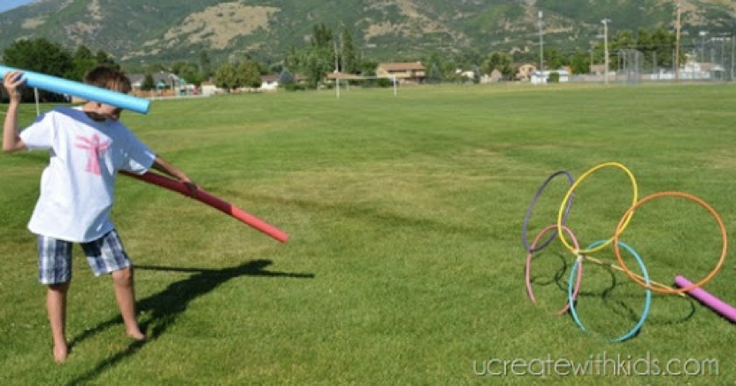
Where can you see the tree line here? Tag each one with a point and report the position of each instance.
(327, 51)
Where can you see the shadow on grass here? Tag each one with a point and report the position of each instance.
(382, 216)
(162, 309)
(616, 298)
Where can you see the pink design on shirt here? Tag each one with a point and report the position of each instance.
(95, 149)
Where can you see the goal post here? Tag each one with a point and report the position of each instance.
(340, 78)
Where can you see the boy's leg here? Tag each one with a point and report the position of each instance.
(55, 270)
(107, 255)
(56, 306)
(125, 296)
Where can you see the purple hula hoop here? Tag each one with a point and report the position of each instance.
(525, 227)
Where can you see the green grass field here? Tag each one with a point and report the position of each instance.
(405, 263)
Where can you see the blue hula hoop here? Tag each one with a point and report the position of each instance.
(647, 302)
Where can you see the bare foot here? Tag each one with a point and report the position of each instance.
(60, 353)
(137, 335)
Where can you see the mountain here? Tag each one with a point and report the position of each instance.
(166, 30)
(10, 4)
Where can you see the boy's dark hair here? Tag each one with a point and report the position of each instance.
(108, 78)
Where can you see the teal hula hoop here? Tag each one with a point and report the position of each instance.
(647, 302)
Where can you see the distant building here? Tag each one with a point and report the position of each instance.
(413, 72)
(524, 71)
(541, 77)
(161, 80)
(269, 82)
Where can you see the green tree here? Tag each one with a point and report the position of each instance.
(500, 62)
(321, 36)
(317, 59)
(663, 44)
(178, 67)
(623, 40)
(103, 58)
(368, 67)
(315, 63)
(148, 82)
(444, 67)
(225, 77)
(187, 71)
(39, 55)
(580, 63)
(553, 60)
(84, 61)
(230, 76)
(477, 74)
(468, 58)
(42, 56)
(205, 65)
(348, 54)
(249, 74)
(286, 77)
(435, 75)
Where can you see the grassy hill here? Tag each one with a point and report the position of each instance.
(141, 30)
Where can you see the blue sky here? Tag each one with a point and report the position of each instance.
(10, 4)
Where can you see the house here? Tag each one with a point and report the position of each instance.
(524, 71)
(269, 82)
(403, 72)
(465, 74)
(208, 89)
(161, 80)
(332, 76)
(598, 69)
(541, 77)
(166, 84)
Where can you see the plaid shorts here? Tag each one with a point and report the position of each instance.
(104, 255)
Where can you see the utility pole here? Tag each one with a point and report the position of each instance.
(677, 44)
(541, 46)
(605, 48)
(733, 53)
(337, 70)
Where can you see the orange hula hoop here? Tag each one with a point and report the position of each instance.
(626, 216)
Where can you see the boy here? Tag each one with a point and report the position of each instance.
(87, 146)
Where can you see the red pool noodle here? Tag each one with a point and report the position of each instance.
(709, 300)
(212, 201)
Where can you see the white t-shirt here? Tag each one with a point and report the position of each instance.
(77, 186)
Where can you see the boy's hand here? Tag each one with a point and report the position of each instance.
(193, 188)
(12, 82)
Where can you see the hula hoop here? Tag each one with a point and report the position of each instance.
(616, 267)
(647, 301)
(524, 238)
(668, 290)
(529, 265)
(572, 189)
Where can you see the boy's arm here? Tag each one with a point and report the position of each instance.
(11, 137)
(165, 167)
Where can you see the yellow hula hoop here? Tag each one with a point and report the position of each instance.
(652, 283)
(665, 289)
(627, 217)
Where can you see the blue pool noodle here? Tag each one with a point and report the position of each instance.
(81, 90)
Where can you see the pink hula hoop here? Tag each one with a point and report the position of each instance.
(530, 254)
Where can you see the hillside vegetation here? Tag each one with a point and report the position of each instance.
(142, 30)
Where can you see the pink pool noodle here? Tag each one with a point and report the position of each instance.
(214, 202)
(719, 306)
